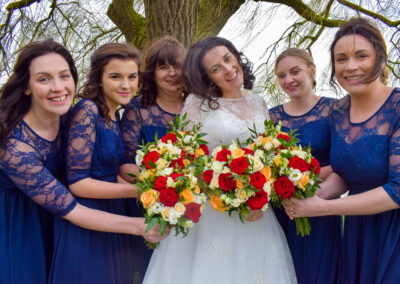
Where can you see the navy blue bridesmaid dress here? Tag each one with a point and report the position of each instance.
(94, 150)
(315, 257)
(366, 156)
(30, 197)
(139, 124)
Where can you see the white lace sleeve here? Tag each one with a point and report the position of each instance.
(192, 110)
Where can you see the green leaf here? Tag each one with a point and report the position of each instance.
(153, 221)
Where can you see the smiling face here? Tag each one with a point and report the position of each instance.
(51, 85)
(168, 77)
(223, 68)
(354, 59)
(295, 76)
(119, 82)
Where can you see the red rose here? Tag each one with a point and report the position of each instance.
(258, 201)
(248, 151)
(298, 163)
(208, 175)
(283, 136)
(257, 180)
(239, 165)
(222, 156)
(205, 149)
(177, 163)
(168, 196)
(169, 136)
(174, 176)
(193, 211)
(284, 187)
(160, 183)
(315, 165)
(226, 182)
(152, 157)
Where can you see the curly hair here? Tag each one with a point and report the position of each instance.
(299, 53)
(164, 50)
(14, 103)
(196, 78)
(92, 88)
(364, 28)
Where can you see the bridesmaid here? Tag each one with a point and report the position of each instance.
(365, 145)
(94, 153)
(37, 94)
(315, 256)
(160, 100)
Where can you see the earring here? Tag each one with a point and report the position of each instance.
(28, 92)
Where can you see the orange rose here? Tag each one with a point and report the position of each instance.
(197, 189)
(187, 196)
(266, 140)
(251, 146)
(303, 181)
(149, 198)
(278, 160)
(266, 171)
(198, 153)
(239, 183)
(186, 162)
(238, 153)
(216, 203)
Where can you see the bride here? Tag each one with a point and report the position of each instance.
(221, 249)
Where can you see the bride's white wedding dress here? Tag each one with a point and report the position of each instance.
(221, 249)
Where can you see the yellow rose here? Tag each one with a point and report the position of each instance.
(149, 198)
(186, 162)
(266, 171)
(237, 153)
(241, 194)
(198, 153)
(165, 213)
(303, 181)
(187, 196)
(278, 160)
(216, 203)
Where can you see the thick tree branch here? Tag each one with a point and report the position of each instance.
(20, 4)
(131, 24)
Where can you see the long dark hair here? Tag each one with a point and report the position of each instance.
(165, 50)
(14, 103)
(366, 29)
(196, 77)
(100, 58)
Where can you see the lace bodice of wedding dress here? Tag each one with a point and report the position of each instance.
(220, 249)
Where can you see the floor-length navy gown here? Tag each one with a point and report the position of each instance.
(94, 150)
(28, 186)
(367, 155)
(315, 257)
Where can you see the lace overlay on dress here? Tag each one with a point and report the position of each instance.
(25, 160)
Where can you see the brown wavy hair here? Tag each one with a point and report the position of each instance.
(364, 28)
(164, 50)
(100, 58)
(14, 103)
(196, 77)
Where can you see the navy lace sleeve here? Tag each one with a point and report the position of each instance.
(81, 140)
(30, 164)
(367, 154)
(141, 124)
(312, 128)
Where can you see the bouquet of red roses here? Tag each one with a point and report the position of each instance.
(235, 179)
(167, 178)
(294, 171)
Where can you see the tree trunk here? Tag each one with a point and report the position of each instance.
(174, 17)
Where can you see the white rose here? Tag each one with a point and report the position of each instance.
(268, 146)
(193, 180)
(173, 217)
(170, 182)
(187, 139)
(267, 188)
(300, 154)
(157, 207)
(214, 181)
(188, 224)
(165, 172)
(276, 143)
(258, 165)
(295, 175)
(161, 164)
(174, 151)
(259, 140)
(139, 157)
(217, 166)
(144, 175)
(236, 202)
(233, 146)
(265, 207)
(259, 153)
(225, 170)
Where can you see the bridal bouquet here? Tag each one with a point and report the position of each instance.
(167, 178)
(294, 170)
(235, 179)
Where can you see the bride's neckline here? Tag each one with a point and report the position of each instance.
(244, 95)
